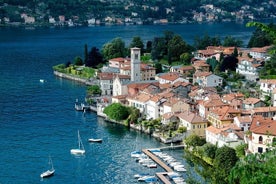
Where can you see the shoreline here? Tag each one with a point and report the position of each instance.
(99, 111)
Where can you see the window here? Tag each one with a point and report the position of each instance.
(260, 140)
(136, 56)
(260, 150)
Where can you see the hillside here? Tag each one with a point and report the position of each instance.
(83, 12)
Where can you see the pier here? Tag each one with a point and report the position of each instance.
(157, 160)
(161, 176)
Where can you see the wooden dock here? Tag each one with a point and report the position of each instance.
(157, 160)
(161, 176)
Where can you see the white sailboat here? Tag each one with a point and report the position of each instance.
(49, 172)
(80, 150)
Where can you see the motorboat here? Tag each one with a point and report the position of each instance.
(95, 140)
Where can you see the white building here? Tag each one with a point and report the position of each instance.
(249, 69)
(228, 135)
(207, 79)
(263, 135)
(243, 122)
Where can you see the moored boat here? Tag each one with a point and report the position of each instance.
(50, 172)
(95, 140)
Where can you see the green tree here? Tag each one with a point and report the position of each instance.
(185, 58)
(116, 111)
(137, 42)
(85, 53)
(148, 47)
(94, 90)
(194, 140)
(255, 168)
(260, 37)
(159, 48)
(213, 63)
(229, 41)
(176, 47)
(78, 61)
(224, 161)
(158, 67)
(115, 48)
(270, 30)
(240, 150)
(134, 115)
(205, 41)
(94, 58)
(209, 150)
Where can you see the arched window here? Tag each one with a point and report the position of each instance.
(260, 140)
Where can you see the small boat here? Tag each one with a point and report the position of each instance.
(50, 172)
(95, 140)
(41, 80)
(140, 175)
(143, 178)
(80, 150)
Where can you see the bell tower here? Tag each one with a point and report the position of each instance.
(135, 64)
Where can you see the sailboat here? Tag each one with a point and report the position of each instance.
(49, 172)
(80, 150)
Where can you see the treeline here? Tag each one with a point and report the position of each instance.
(169, 47)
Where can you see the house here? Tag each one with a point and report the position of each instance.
(201, 66)
(139, 101)
(207, 79)
(119, 85)
(264, 111)
(267, 86)
(153, 106)
(174, 104)
(263, 135)
(106, 82)
(206, 105)
(233, 99)
(184, 70)
(228, 98)
(181, 89)
(194, 123)
(170, 117)
(136, 87)
(243, 122)
(251, 103)
(117, 62)
(249, 68)
(219, 116)
(170, 78)
(259, 52)
(228, 135)
(147, 72)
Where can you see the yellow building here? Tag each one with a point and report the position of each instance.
(194, 123)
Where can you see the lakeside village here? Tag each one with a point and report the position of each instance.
(233, 132)
(185, 108)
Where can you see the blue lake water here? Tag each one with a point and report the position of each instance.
(38, 119)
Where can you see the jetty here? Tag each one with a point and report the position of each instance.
(157, 160)
(161, 176)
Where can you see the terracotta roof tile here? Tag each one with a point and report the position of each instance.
(261, 125)
(251, 101)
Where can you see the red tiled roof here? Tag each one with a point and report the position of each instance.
(261, 125)
(170, 76)
(250, 101)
